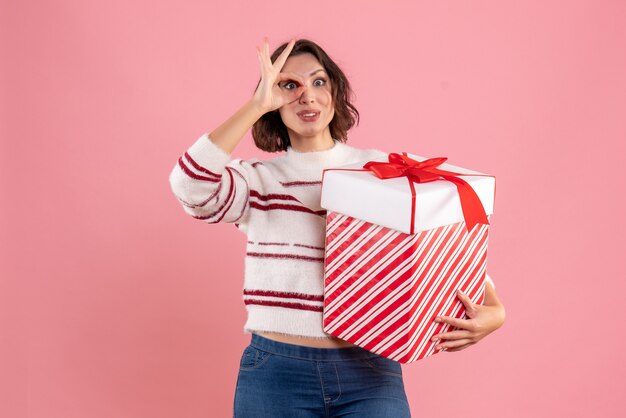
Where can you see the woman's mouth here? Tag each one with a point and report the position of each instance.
(309, 116)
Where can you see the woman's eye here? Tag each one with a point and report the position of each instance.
(286, 85)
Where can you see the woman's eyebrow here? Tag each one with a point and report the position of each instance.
(316, 71)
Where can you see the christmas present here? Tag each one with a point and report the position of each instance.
(401, 237)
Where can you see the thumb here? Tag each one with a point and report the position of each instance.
(295, 93)
(470, 307)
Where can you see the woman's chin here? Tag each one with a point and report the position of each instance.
(306, 133)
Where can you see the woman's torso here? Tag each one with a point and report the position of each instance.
(310, 198)
(332, 342)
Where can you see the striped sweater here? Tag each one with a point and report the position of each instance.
(276, 203)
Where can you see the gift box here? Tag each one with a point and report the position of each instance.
(401, 237)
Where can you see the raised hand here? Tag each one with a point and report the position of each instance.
(269, 95)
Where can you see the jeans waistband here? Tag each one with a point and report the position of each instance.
(309, 353)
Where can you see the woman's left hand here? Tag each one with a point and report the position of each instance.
(482, 321)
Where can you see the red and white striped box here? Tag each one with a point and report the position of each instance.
(383, 287)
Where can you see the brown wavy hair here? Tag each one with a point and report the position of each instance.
(270, 133)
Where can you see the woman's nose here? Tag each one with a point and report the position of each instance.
(307, 95)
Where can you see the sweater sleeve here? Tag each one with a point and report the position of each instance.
(210, 185)
(488, 279)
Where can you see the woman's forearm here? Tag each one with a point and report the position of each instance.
(491, 299)
(229, 133)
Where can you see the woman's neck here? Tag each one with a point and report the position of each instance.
(320, 142)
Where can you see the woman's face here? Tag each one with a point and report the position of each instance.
(316, 98)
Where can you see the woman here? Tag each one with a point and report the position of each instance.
(292, 368)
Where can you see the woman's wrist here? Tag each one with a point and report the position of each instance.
(256, 107)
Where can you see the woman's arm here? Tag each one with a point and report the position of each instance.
(491, 298)
(211, 186)
(229, 134)
(208, 184)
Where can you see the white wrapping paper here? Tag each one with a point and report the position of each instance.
(387, 202)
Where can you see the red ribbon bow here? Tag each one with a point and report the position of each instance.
(425, 171)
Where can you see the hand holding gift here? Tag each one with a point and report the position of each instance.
(483, 320)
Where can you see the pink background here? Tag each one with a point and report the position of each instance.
(114, 303)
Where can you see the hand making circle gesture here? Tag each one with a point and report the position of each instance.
(269, 95)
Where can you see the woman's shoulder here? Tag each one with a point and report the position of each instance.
(366, 153)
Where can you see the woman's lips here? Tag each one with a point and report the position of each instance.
(309, 118)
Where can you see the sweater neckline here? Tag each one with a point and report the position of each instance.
(317, 159)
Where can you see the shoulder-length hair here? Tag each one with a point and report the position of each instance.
(270, 133)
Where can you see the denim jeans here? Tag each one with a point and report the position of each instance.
(281, 380)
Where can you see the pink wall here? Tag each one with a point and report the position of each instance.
(114, 303)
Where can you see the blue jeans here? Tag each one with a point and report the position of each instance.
(279, 380)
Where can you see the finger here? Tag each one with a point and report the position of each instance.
(464, 298)
(280, 61)
(471, 309)
(265, 71)
(259, 55)
(455, 322)
(288, 75)
(295, 94)
(463, 347)
(265, 53)
(452, 344)
(453, 335)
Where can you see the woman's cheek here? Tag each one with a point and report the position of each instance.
(328, 97)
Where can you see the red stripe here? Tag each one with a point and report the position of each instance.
(279, 206)
(309, 246)
(294, 256)
(344, 224)
(191, 174)
(300, 183)
(200, 168)
(289, 305)
(266, 197)
(287, 244)
(245, 204)
(278, 294)
(191, 205)
(199, 205)
(230, 193)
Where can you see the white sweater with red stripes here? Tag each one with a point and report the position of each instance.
(276, 203)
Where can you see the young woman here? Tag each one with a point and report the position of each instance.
(292, 368)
